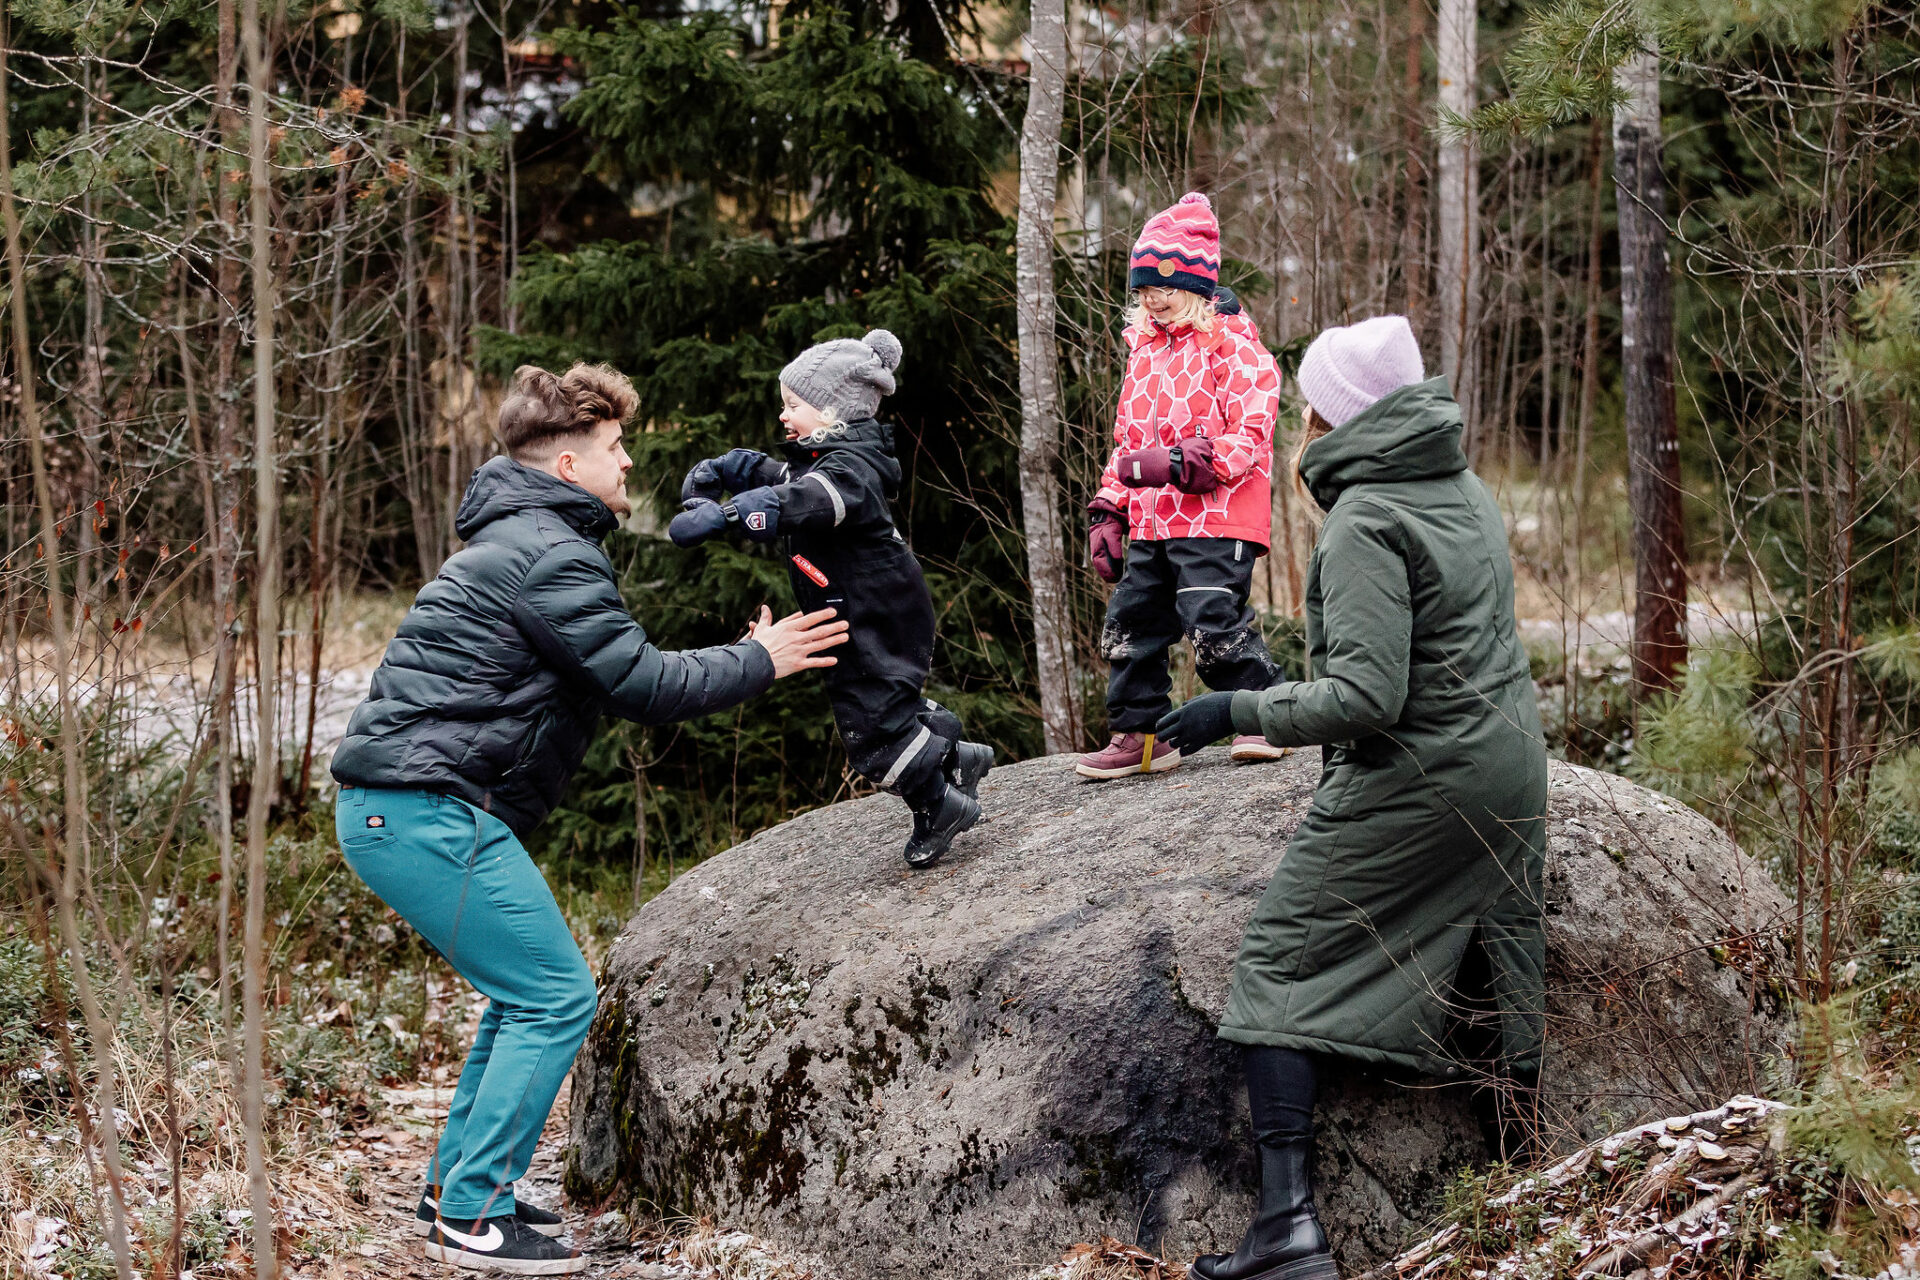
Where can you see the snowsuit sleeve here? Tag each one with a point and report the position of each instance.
(1368, 638)
(1249, 392)
(838, 491)
(570, 610)
(1110, 487)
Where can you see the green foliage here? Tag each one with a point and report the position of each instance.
(1883, 362)
(1696, 743)
(837, 181)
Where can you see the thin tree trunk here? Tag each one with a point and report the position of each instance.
(223, 521)
(1458, 271)
(1646, 321)
(1040, 494)
(65, 886)
(1413, 231)
(319, 559)
(266, 612)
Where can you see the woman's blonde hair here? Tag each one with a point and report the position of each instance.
(1312, 429)
(1197, 312)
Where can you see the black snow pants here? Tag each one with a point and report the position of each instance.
(1192, 587)
(896, 737)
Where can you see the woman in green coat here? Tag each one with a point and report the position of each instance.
(1421, 852)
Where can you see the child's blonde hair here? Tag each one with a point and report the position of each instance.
(1193, 310)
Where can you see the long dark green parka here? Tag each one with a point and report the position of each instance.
(1426, 832)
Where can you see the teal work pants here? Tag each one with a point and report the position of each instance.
(461, 878)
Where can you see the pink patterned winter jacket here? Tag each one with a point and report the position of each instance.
(1183, 383)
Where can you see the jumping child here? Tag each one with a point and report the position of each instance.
(1188, 482)
(831, 501)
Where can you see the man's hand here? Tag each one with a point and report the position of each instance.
(794, 642)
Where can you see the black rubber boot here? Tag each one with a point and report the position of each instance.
(1284, 1241)
(968, 764)
(936, 824)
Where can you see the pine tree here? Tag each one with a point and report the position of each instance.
(799, 188)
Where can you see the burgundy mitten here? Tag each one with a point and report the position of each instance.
(1195, 473)
(1107, 539)
(1146, 468)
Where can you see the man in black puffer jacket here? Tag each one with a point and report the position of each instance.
(478, 716)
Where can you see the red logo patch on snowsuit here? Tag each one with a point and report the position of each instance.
(1183, 383)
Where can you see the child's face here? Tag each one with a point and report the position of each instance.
(801, 418)
(1165, 305)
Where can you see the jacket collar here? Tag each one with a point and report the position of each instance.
(502, 487)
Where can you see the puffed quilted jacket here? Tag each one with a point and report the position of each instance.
(1183, 383)
(500, 671)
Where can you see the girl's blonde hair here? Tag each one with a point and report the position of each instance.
(830, 423)
(1197, 312)
(1312, 429)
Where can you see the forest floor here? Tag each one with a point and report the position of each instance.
(392, 1153)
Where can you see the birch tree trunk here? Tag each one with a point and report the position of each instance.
(72, 854)
(1646, 340)
(266, 613)
(1457, 274)
(1040, 495)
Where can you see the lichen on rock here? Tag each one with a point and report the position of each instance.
(952, 1072)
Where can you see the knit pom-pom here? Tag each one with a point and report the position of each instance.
(884, 345)
(1195, 197)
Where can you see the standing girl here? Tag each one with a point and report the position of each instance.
(1188, 482)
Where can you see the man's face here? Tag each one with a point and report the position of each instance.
(600, 467)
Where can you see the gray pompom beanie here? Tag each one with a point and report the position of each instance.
(846, 376)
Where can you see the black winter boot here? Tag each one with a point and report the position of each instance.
(1284, 1241)
(967, 765)
(937, 823)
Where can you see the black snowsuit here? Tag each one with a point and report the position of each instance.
(491, 689)
(1196, 587)
(834, 495)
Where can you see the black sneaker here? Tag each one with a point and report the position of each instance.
(503, 1244)
(934, 828)
(971, 760)
(547, 1224)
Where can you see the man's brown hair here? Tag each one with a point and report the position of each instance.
(542, 409)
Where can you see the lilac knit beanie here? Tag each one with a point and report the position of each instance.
(1350, 367)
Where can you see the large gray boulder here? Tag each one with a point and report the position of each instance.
(961, 1071)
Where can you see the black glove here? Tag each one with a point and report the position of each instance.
(1195, 723)
(703, 519)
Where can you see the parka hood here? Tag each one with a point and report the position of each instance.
(1412, 434)
(870, 438)
(503, 487)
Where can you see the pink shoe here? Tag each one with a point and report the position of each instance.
(1249, 748)
(1127, 753)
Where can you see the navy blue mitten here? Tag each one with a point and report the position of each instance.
(759, 513)
(702, 519)
(702, 482)
(739, 469)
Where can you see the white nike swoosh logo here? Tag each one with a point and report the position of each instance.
(479, 1244)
